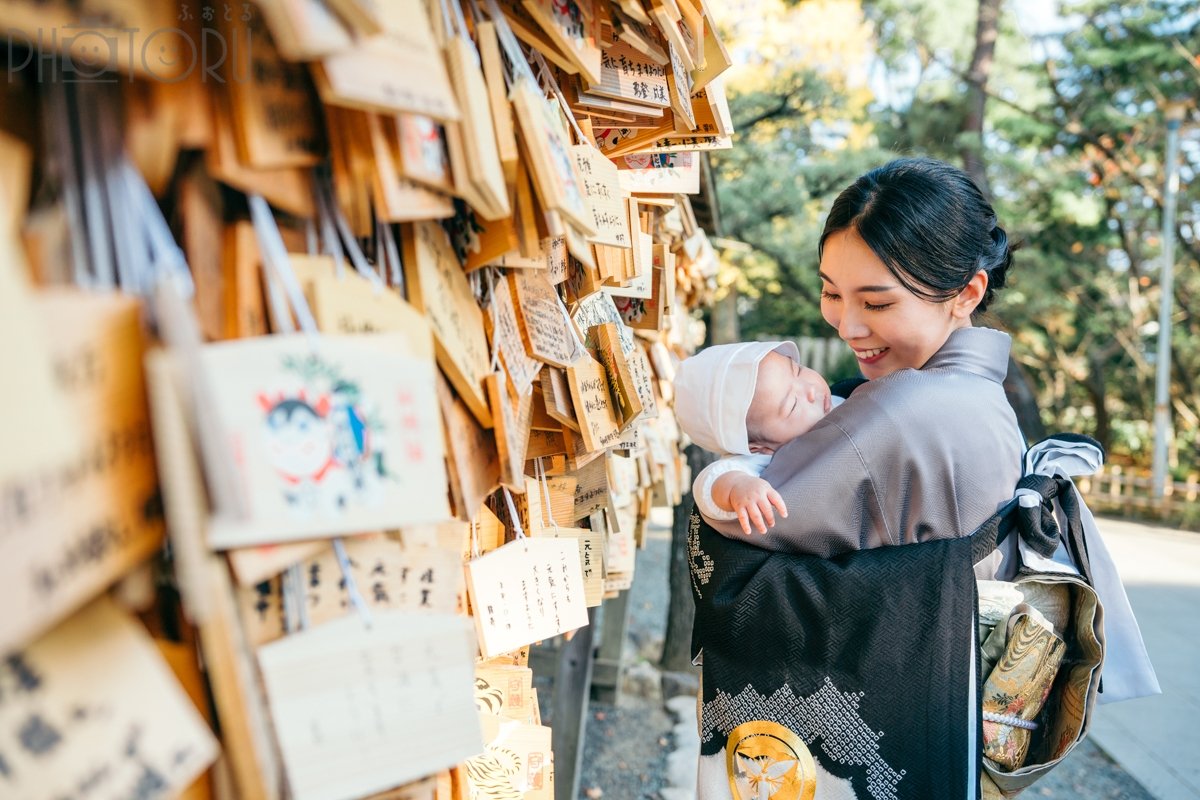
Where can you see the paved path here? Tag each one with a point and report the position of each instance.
(1157, 739)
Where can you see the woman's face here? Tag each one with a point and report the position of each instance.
(888, 327)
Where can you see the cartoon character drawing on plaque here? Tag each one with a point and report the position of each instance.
(321, 447)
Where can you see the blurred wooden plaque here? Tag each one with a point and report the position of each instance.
(438, 287)
(70, 530)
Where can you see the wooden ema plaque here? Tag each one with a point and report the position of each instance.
(94, 704)
(545, 327)
(627, 74)
(627, 402)
(397, 198)
(272, 102)
(421, 146)
(555, 176)
(513, 417)
(389, 576)
(474, 461)
(591, 559)
(591, 488)
(574, 29)
(526, 591)
(401, 70)
(329, 435)
(605, 196)
(74, 525)
(328, 684)
(556, 394)
(598, 424)
(505, 330)
(438, 287)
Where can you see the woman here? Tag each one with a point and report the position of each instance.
(801, 648)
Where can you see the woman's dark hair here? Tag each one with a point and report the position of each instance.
(929, 224)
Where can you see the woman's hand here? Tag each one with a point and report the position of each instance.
(752, 499)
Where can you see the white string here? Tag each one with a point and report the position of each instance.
(544, 68)
(354, 251)
(311, 244)
(274, 255)
(393, 251)
(356, 598)
(1010, 719)
(512, 512)
(475, 536)
(508, 41)
(329, 237)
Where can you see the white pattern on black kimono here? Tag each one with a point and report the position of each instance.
(916, 456)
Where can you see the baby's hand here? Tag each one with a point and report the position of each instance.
(752, 498)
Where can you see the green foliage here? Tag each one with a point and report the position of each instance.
(1074, 144)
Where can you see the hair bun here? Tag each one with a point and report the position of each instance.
(996, 262)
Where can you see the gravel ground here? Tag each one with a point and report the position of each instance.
(626, 749)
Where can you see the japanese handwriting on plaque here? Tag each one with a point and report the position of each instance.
(333, 435)
(388, 575)
(605, 196)
(626, 74)
(591, 559)
(598, 422)
(506, 337)
(71, 528)
(440, 290)
(360, 710)
(92, 704)
(526, 591)
(544, 324)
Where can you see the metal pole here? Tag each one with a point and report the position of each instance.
(1162, 379)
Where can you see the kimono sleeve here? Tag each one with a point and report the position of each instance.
(832, 503)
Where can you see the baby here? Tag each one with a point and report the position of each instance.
(745, 401)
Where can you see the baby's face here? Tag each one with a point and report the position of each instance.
(788, 400)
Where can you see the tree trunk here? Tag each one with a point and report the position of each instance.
(677, 647)
(725, 327)
(1096, 388)
(971, 140)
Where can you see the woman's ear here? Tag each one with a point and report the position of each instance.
(965, 303)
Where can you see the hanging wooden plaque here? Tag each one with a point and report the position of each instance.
(75, 524)
(591, 488)
(387, 575)
(328, 684)
(514, 599)
(626, 402)
(506, 337)
(397, 198)
(272, 103)
(591, 560)
(391, 73)
(681, 91)
(556, 394)
(502, 116)
(662, 173)
(473, 461)
(545, 326)
(305, 30)
(422, 149)
(598, 424)
(94, 704)
(330, 435)
(482, 162)
(438, 287)
(605, 196)
(513, 417)
(555, 176)
(574, 29)
(626, 74)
